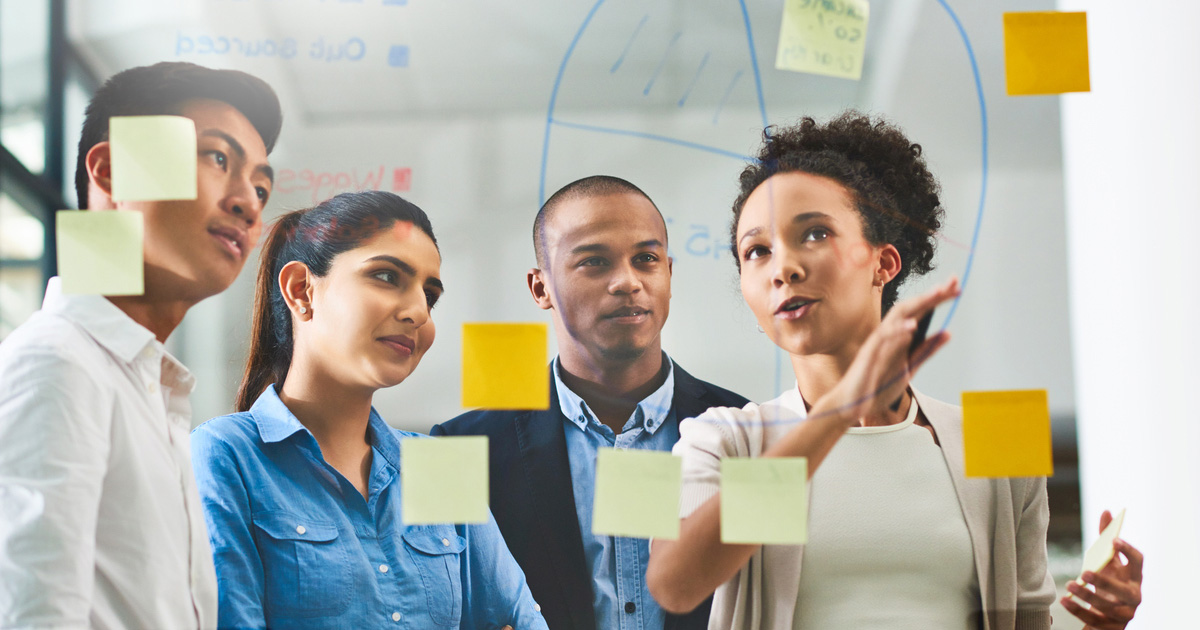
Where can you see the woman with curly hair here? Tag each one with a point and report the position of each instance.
(830, 221)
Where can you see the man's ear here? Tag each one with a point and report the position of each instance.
(98, 163)
(539, 289)
(295, 283)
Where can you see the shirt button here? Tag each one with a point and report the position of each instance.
(445, 542)
(300, 529)
(630, 607)
(383, 568)
(395, 616)
(151, 387)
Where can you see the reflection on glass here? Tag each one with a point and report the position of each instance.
(24, 80)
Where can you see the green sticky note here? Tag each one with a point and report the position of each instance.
(153, 157)
(1007, 434)
(822, 37)
(444, 480)
(637, 494)
(504, 366)
(1102, 550)
(764, 500)
(1046, 52)
(100, 251)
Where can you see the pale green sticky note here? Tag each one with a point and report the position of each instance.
(444, 480)
(822, 37)
(100, 251)
(1102, 550)
(637, 494)
(764, 500)
(153, 157)
(504, 366)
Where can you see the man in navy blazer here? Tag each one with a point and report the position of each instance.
(603, 271)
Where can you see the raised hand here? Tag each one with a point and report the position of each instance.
(1116, 591)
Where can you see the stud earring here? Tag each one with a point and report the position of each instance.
(303, 310)
(760, 328)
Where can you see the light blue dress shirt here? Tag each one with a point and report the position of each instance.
(621, 598)
(297, 546)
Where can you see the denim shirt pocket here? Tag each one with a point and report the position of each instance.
(436, 551)
(306, 568)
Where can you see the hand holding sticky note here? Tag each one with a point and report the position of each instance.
(504, 366)
(444, 480)
(637, 494)
(153, 157)
(100, 251)
(1101, 551)
(823, 37)
(1046, 52)
(1007, 434)
(764, 500)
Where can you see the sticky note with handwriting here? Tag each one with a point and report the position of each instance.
(1046, 52)
(153, 157)
(637, 494)
(1007, 434)
(823, 37)
(1102, 550)
(100, 251)
(504, 366)
(764, 500)
(444, 480)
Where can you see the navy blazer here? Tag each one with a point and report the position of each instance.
(534, 504)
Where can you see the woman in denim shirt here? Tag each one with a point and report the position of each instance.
(301, 488)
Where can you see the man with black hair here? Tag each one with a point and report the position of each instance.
(604, 272)
(100, 522)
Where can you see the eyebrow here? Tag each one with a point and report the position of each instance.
(799, 218)
(265, 169)
(406, 268)
(600, 247)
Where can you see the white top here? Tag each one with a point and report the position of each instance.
(888, 546)
(100, 522)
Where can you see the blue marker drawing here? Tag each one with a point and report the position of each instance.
(398, 56)
(728, 91)
(703, 62)
(395, 3)
(661, 64)
(551, 123)
(629, 44)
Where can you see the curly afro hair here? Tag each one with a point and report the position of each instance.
(894, 192)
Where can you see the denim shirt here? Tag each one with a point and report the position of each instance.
(620, 597)
(296, 545)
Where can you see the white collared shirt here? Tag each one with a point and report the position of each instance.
(100, 522)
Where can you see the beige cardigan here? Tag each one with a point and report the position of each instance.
(1006, 518)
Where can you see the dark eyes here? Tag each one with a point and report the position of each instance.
(263, 193)
(393, 278)
(754, 251)
(386, 275)
(431, 298)
(816, 234)
(597, 261)
(218, 158)
(813, 234)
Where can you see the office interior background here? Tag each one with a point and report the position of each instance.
(1072, 226)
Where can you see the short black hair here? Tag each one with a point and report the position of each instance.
(893, 190)
(161, 89)
(592, 186)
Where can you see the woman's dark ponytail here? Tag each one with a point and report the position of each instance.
(314, 237)
(271, 333)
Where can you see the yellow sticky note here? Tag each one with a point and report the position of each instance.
(822, 37)
(444, 480)
(764, 500)
(637, 494)
(504, 366)
(1102, 550)
(100, 251)
(1046, 52)
(1007, 434)
(153, 157)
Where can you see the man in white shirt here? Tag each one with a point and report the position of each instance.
(100, 522)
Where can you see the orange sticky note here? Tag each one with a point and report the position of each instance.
(1007, 434)
(505, 366)
(1046, 52)
(100, 251)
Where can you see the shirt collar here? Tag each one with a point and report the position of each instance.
(651, 412)
(106, 323)
(277, 423)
